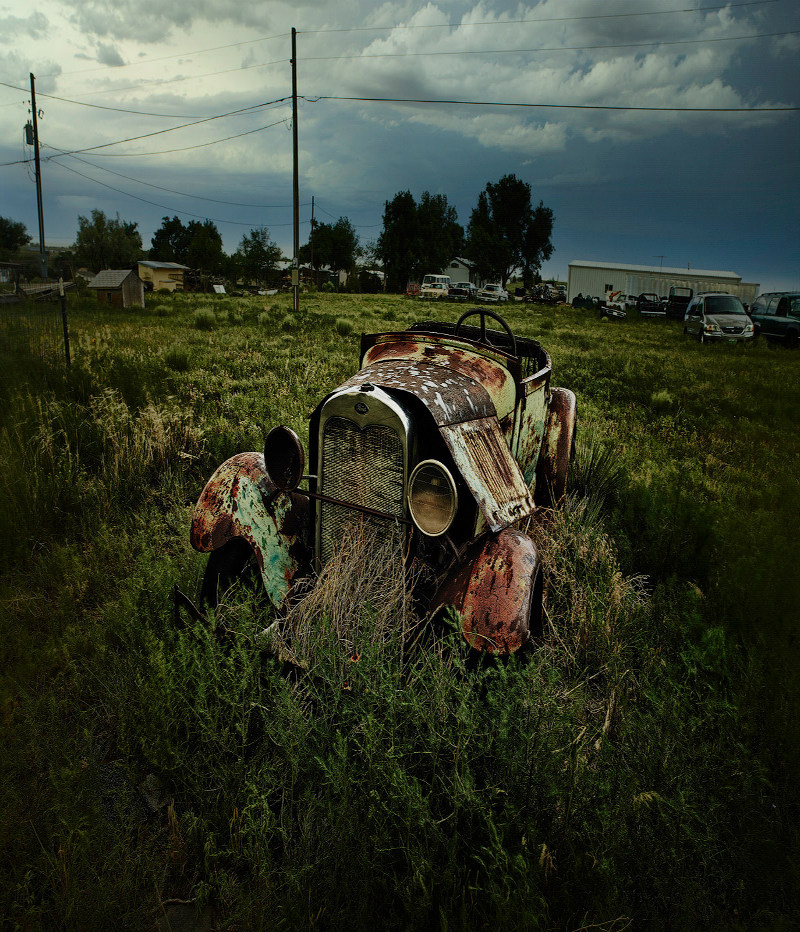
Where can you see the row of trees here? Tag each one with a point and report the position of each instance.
(505, 233)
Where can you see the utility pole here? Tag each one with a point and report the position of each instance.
(42, 253)
(661, 262)
(296, 183)
(311, 241)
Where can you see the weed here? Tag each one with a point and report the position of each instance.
(344, 327)
(205, 319)
(177, 358)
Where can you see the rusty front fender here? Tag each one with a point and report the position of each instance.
(498, 591)
(240, 500)
(558, 448)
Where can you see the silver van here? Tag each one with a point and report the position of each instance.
(717, 317)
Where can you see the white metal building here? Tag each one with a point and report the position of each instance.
(598, 279)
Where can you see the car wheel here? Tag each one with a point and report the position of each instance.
(685, 332)
(701, 337)
(791, 339)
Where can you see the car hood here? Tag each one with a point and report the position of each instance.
(728, 320)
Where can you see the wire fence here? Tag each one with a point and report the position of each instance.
(31, 336)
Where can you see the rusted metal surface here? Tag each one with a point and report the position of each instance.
(240, 500)
(557, 448)
(529, 426)
(497, 590)
(448, 395)
(483, 366)
(481, 454)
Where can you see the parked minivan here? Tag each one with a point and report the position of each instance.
(717, 317)
(776, 315)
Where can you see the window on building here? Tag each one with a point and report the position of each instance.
(609, 288)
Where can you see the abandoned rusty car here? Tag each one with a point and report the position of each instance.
(447, 438)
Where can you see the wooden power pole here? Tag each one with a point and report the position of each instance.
(295, 183)
(42, 252)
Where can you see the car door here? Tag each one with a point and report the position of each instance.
(694, 318)
(769, 326)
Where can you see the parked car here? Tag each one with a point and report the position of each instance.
(493, 294)
(715, 317)
(678, 301)
(649, 304)
(435, 286)
(463, 291)
(447, 437)
(776, 315)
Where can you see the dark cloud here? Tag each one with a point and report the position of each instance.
(33, 26)
(108, 55)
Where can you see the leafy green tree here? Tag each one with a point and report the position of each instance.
(258, 256)
(506, 232)
(417, 238)
(13, 236)
(335, 245)
(104, 243)
(205, 247)
(171, 241)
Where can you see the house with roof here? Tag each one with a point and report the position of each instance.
(118, 288)
(162, 276)
(462, 270)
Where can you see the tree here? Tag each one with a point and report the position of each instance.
(505, 232)
(107, 244)
(205, 247)
(258, 256)
(13, 235)
(417, 238)
(335, 245)
(170, 242)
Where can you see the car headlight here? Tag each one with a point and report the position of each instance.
(713, 328)
(432, 497)
(748, 328)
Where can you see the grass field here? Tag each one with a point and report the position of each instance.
(638, 767)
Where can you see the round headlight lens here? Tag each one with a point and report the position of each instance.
(284, 458)
(432, 497)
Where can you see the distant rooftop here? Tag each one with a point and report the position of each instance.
(110, 278)
(161, 265)
(655, 270)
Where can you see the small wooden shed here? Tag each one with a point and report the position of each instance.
(119, 288)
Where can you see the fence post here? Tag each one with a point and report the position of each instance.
(63, 299)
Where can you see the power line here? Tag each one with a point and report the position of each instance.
(198, 197)
(550, 19)
(497, 103)
(82, 103)
(554, 48)
(172, 129)
(144, 200)
(199, 145)
(213, 48)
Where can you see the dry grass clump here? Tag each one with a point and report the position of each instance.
(361, 599)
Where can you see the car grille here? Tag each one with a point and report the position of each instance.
(732, 329)
(364, 467)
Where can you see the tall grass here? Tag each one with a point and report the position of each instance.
(354, 766)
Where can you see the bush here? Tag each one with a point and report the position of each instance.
(327, 288)
(344, 327)
(177, 358)
(205, 319)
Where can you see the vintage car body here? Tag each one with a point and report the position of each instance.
(446, 440)
(435, 287)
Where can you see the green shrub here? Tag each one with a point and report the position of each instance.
(205, 319)
(327, 288)
(344, 327)
(288, 322)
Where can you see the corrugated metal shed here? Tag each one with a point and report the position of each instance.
(596, 279)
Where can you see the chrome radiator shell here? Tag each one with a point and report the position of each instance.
(364, 447)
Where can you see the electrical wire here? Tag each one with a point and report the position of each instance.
(554, 48)
(548, 19)
(199, 145)
(83, 103)
(186, 213)
(172, 129)
(198, 197)
(497, 103)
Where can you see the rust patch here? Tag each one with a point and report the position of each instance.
(557, 448)
(492, 475)
(495, 590)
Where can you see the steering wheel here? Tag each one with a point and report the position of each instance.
(483, 338)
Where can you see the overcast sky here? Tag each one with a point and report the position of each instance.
(711, 189)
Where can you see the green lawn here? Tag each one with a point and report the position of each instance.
(640, 764)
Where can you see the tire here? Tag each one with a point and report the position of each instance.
(701, 337)
(790, 340)
(685, 332)
(234, 563)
